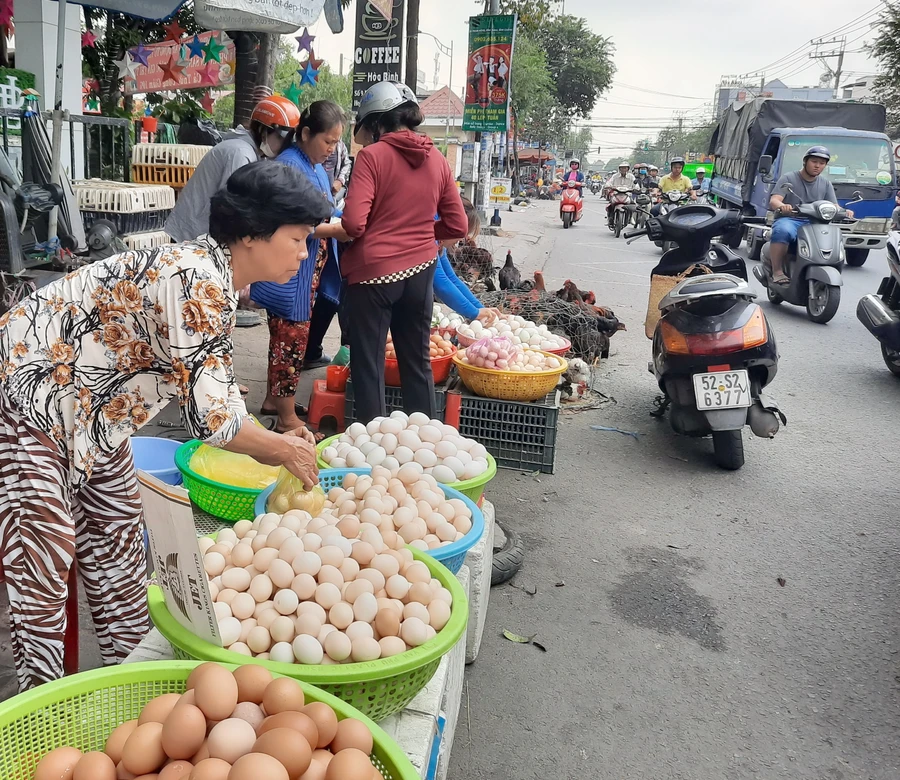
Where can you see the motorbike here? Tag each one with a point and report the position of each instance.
(713, 350)
(595, 187)
(813, 263)
(669, 201)
(571, 206)
(880, 313)
(621, 204)
(642, 201)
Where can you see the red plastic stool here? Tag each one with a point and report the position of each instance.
(325, 403)
(70, 639)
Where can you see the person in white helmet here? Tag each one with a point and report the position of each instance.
(700, 180)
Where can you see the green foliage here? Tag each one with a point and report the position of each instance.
(173, 111)
(886, 50)
(671, 142)
(533, 14)
(531, 88)
(24, 79)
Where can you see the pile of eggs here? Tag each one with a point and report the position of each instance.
(243, 725)
(438, 347)
(331, 589)
(518, 330)
(410, 443)
(499, 354)
(445, 320)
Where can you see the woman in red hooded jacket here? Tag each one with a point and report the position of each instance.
(398, 185)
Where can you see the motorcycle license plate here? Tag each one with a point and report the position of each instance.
(722, 390)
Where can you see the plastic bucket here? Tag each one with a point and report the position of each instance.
(157, 457)
(336, 378)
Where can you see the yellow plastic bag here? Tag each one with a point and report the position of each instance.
(289, 494)
(231, 468)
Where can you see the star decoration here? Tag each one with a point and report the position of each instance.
(213, 50)
(317, 64)
(88, 39)
(304, 41)
(208, 102)
(174, 31)
(93, 104)
(210, 73)
(172, 70)
(141, 55)
(127, 66)
(308, 74)
(293, 93)
(196, 46)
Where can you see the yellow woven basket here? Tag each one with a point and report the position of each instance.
(510, 385)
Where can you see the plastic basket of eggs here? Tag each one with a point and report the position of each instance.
(441, 351)
(426, 526)
(365, 618)
(528, 375)
(148, 718)
(518, 330)
(416, 443)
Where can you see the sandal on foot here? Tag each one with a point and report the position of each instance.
(781, 281)
(299, 409)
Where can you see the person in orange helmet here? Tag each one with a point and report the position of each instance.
(272, 126)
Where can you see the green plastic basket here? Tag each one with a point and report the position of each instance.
(472, 488)
(377, 688)
(81, 711)
(223, 501)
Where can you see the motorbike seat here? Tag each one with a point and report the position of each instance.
(706, 286)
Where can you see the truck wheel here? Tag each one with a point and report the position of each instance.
(857, 257)
(823, 304)
(728, 449)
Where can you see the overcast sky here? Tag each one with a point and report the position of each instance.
(678, 47)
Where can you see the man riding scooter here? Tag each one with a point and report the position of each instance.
(674, 180)
(621, 179)
(807, 186)
(700, 181)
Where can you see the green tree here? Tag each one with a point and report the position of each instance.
(533, 14)
(886, 50)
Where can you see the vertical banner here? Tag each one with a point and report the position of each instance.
(377, 55)
(491, 40)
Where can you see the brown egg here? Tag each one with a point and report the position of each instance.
(188, 697)
(377, 775)
(158, 709)
(325, 719)
(177, 770)
(201, 755)
(283, 694)
(217, 693)
(152, 776)
(316, 771)
(58, 764)
(197, 673)
(387, 622)
(95, 766)
(231, 739)
(252, 680)
(116, 740)
(123, 774)
(211, 769)
(350, 764)
(322, 756)
(294, 754)
(352, 733)
(258, 766)
(183, 732)
(292, 720)
(143, 752)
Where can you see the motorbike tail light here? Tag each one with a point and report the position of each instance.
(753, 334)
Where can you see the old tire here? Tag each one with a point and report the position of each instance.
(857, 257)
(728, 449)
(823, 307)
(891, 360)
(507, 559)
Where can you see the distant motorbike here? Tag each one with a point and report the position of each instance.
(571, 206)
(595, 187)
(713, 349)
(880, 313)
(669, 201)
(813, 263)
(621, 204)
(642, 202)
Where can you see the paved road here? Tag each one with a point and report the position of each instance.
(672, 651)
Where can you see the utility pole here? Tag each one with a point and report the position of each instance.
(833, 53)
(412, 44)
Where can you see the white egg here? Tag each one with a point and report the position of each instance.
(450, 433)
(403, 454)
(400, 415)
(408, 439)
(307, 649)
(418, 418)
(445, 449)
(455, 464)
(444, 474)
(376, 456)
(338, 463)
(366, 448)
(426, 458)
(390, 425)
(430, 433)
(377, 438)
(389, 442)
(373, 426)
(328, 454)
(355, 459)
(464, 457)
(391, 464)
(229, 630)
(478, 452)
(475, 469)
(282, 653)
(356, 429)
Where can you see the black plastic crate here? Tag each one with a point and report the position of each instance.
(520, 436)
(393, 400)
(138, 222)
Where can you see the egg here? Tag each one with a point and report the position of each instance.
(143, 752)
(94, 766)
(282, 744)
(355, 459)
(211, 769)
(376, 456)
(455, 464)
(365, 608)
(391, 645)
(282, 695)
(412, 631)
(183, 732)
(281, 573)
(325, 719)
(296, 721)
(255, 766)
(216, 693)
(429, 433)
(350, 764)
(474, 469)
(390, 425)
(286, 602)
(243, 605)
(445, 449)
(230, 739)
(352, 733)
(58, 764)
(307, 649)
(356, 429)
(116, 740)
(425, 458)
(177, 770)
(338, 646)
(408, 439)
(444, 474)
(365, 648)
(250, 712)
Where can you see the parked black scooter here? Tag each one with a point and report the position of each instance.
(813, 264)
(713, 349)
(880, 313)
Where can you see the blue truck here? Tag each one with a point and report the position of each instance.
(755, 142)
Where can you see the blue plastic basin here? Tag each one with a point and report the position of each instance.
(157, 457)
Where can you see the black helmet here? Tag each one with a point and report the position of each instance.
(676, 160)
(817, 151)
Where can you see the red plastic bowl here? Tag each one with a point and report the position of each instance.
(440, 369)
(561, 351)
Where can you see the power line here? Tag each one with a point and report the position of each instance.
(654, 92)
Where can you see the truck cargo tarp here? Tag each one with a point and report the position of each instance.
(738, 140)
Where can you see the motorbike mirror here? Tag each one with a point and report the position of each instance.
(696, 187)
(765, 164)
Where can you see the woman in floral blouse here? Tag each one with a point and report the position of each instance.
(88, 360)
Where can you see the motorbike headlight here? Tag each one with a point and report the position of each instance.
(803, 250)
(827, 211)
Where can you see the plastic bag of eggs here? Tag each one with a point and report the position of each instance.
(519, 330)
(428, 446)
(240, 725)
(324, 590)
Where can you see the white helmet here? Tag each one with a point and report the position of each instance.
(407, 93)
(378, 99)
(700, 170)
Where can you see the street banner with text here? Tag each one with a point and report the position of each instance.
(274, 16)
(488, 70)
(377, 54)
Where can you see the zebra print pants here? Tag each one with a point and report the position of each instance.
(44, 525)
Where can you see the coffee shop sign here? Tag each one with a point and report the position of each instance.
(388, 55)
